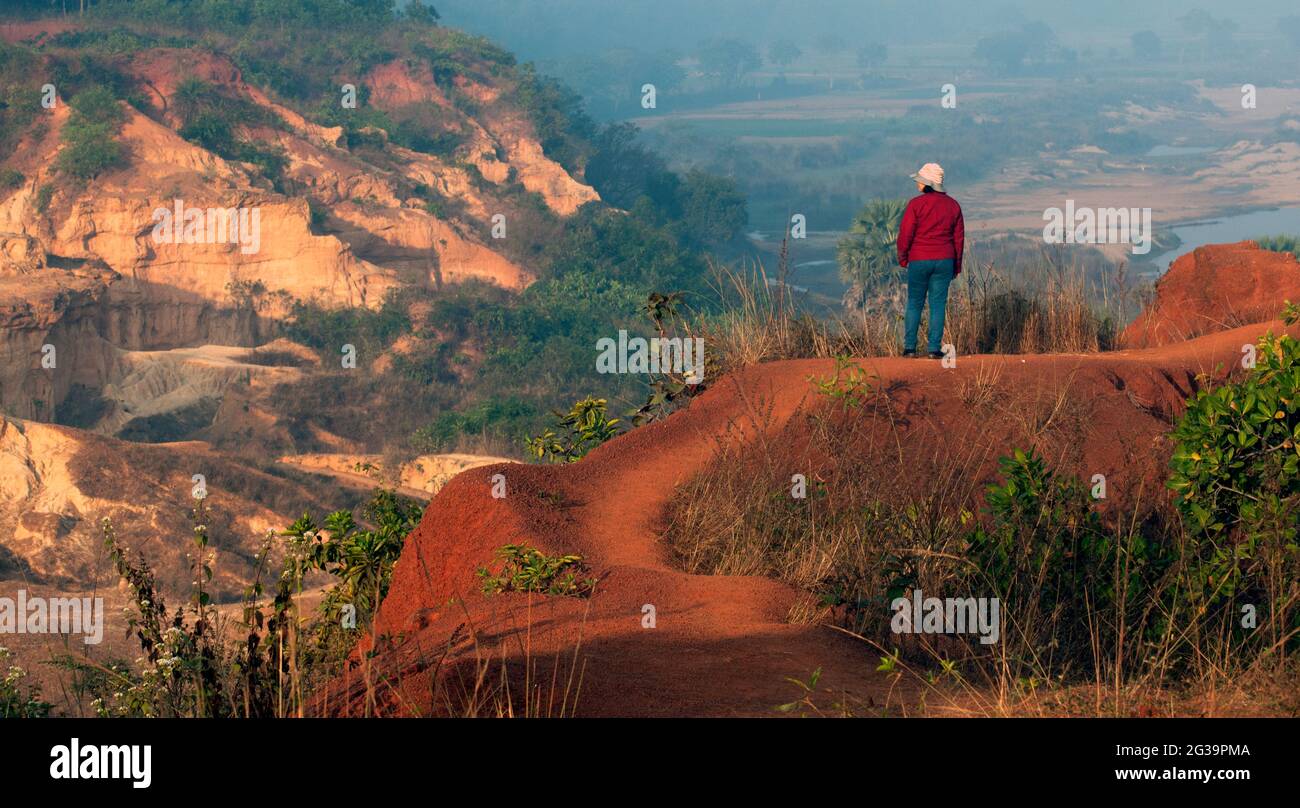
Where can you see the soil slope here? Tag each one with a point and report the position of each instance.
(723, 645)
(1214, 288)
(58, 483)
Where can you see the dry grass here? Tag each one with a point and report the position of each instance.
(1048, 307)
(480, 670)
(879, 519)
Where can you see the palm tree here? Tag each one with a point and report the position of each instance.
(867, 254)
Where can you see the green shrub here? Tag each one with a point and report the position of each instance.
(191, 667)
(1045, 554)
(1283, 244)
(713, 210)
(452, 53)
(328, 330)
(850, 386)
(88, 158)
(583, 428)
(91, 157)
(524, 569)
(563, 128)
(501, 416)
(88, 134)
(9, 179)
(360, 558)
(19, 94)
(1235, 475)
(211, 119)
(97, 104)
(114, 41)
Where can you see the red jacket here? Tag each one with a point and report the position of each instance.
(932, 229)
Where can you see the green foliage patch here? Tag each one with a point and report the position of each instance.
(524, 569)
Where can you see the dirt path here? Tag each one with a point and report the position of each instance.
(720, 645)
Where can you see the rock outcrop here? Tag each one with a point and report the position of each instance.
(1215, 288)
(57, 484)
(83, 272)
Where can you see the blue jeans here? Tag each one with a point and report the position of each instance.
(924, 277)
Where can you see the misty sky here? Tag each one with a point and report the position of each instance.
(556, 28)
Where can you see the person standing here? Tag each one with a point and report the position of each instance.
(930, 244)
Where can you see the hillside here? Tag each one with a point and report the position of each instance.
(298, 262)
(288, 290)
(727, 644)
(376, 236)
(418, 236)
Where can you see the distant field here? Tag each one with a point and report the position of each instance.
(770, 127)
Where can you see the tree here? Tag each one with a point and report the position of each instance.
(611, 80)
(867, 254)
(1146, 45)
(712, 208)
(1005, 52)
(728, 59)
(421, 11)
(89, 134)
(1219, 39)
(622, 170)
(1033, 46)
(872, 54)
(783, 52)
(1217, 32)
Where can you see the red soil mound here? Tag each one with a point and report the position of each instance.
(721, 645)
(1215, 288)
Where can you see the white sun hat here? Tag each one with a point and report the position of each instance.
(931, 174)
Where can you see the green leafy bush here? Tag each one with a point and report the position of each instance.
(499, 416)
(328, 330)
(524, 569)
(1045, 554)
(850, 385)
(212, 119)
(712, 209)
(563, 128)
(583, 428)
(89, 132)
(114, 41)
(19, 94)
(1235, 475)
(360, 558)
(192, 667)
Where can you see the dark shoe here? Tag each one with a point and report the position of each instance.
(936, 354)
(910, 354)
